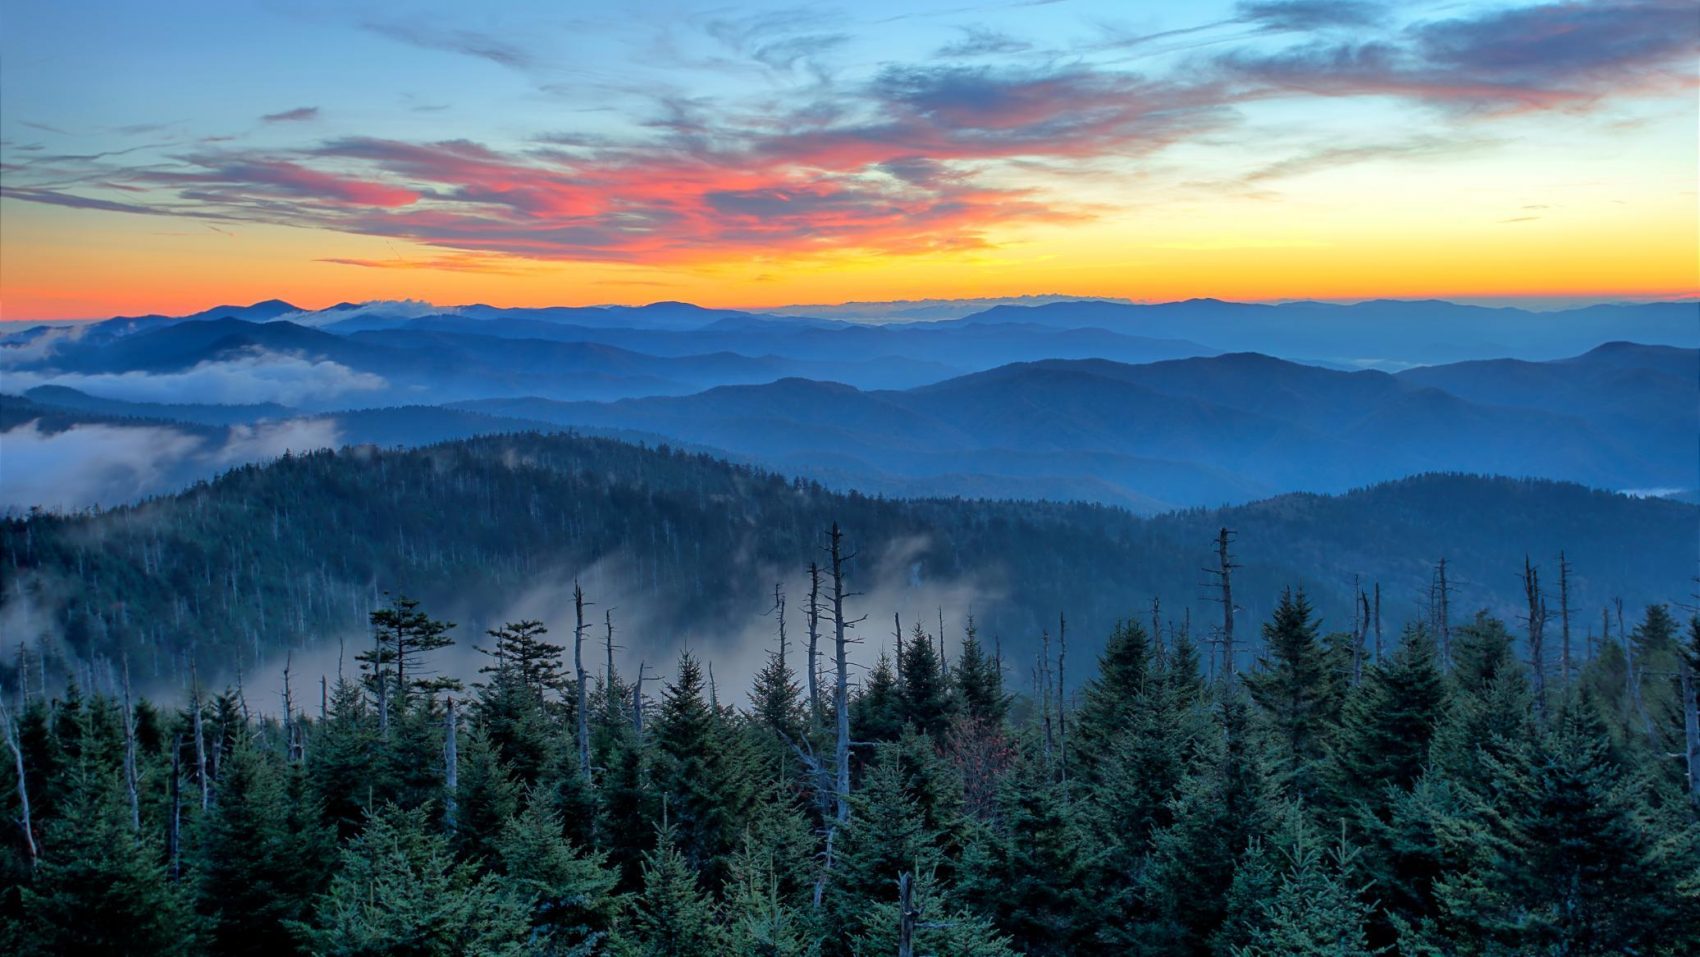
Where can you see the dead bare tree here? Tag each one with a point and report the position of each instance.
(1564, 616)
(1224, 579)
(1378, 621)
(582, 698)
(1062, 714)
(200, 738)
(841, 692)
(1042, 684)
(1690, 686)
(814, 643)
(9, 731)
(130, 753)
(1537, 625)
(1440, 611)
(174, 832)
(451, 767)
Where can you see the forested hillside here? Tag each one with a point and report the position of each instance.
(686, 550)
(1440, 798)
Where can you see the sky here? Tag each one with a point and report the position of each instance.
(163, 158)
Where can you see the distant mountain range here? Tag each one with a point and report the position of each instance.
(1112, 402)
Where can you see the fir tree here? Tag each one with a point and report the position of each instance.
(574, 905)
(1296, 691)
(259, 860)
(399, 891)
(672, 916)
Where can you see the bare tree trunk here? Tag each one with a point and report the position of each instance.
(451, 767)
(582, 698)
(379, 681)
(1062, 708)
(905, 916)
(814, 643)
(944, 660)
(897, 633)
(174, 833)
(1691, 720)
(1537, 625)
(637, 701)
(608, 678)
(10, 732)
(200, 740)
(1564, 616)
(1378, 621)
(1157, 626)
(841, 692)
(1042, 678)
(130, 753)
(1224, 570)
(1441, 601)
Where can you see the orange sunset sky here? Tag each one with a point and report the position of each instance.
(162, 161)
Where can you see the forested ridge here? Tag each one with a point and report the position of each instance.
(288, 556)
(1449, 796)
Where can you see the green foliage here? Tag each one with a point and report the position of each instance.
(399, 891)
(1191, 819)
(1297, 689)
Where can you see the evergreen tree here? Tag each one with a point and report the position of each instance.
(978, 684)
(1030, 871)
(924, 694)
(1386, 726)
(1111, 695)
(1567, 856)
(877, 713)
(1224, 805)
(702, 774)
(1317, 908)
(673, 917)
(1296, 691)
(519, 651)
(259, 860)
(574, 906)
(399, 891)
(100, 889)
(486, 799)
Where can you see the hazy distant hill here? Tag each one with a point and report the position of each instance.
(684, 547)
(1167, 433)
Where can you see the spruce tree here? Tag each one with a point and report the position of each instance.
(1297, 692)
(672, 915)
(101, 889)
(400, 891)
(258, 860)
(574, 905)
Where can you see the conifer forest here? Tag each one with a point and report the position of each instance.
(1473, 786)
(899, 478)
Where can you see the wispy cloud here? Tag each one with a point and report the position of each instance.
(1552, 56)
(946, 153)
(298, 115)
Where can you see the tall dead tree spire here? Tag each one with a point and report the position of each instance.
(1564, 664)
(1224, 573)
(1440, 612)
(841, 691)
(813, 618)
(582, 697)
(1537, 626)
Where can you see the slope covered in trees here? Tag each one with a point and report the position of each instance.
(293, 555)
(1314, 804)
